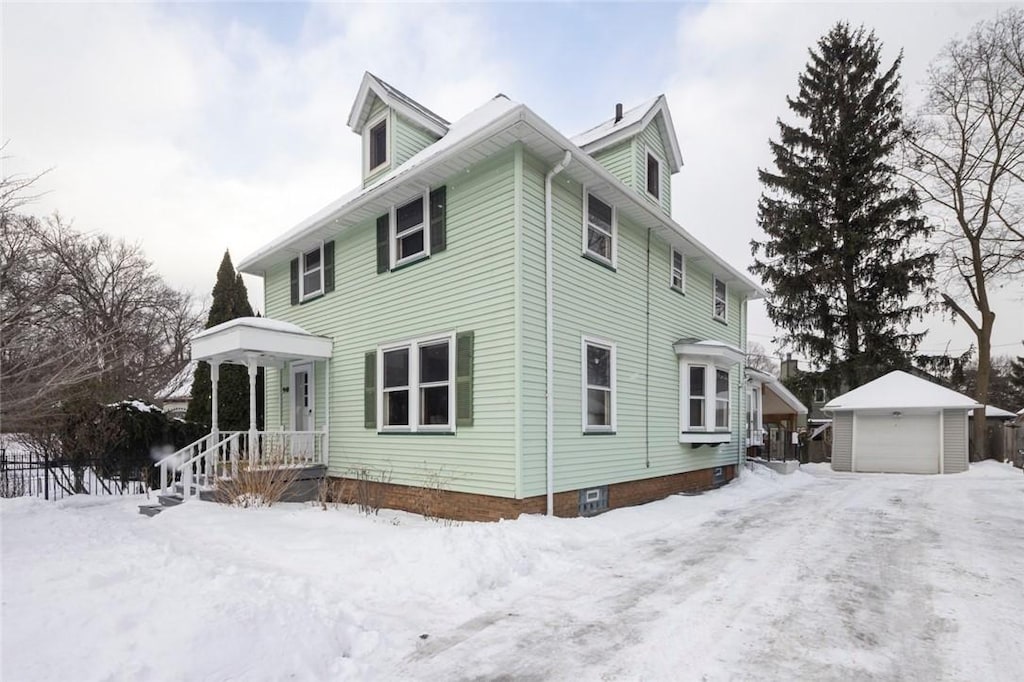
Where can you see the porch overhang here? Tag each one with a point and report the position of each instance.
(259, 341)
(719, 352)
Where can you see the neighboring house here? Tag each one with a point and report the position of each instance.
(900, 423)
(174, 397)
(774, 415)
(502, 313)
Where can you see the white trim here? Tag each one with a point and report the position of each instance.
(413, 384)
(853, 442)
(384, 116)
(672, 270)
(585, 385)
(309, 369)
(587, 226)
(714, 299)
(370, 84)
(648, 152)
(942, 441)
(303, 294)
(710, 398)
(393, 235)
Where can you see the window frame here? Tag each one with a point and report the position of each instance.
(414, 385)
(614, 234)
(681, 288)
(394, 236)
(307, 295)
(612, 426)
(724, 317)
(728, 400)
(384, 117)
(649, 156)
(710, 397)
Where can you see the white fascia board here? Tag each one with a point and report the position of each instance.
(370, 85)
(716, 350)
(675, 155)
(240, 342)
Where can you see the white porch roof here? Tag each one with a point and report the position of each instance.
(265, 342)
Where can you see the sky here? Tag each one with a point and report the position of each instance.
(195, 128)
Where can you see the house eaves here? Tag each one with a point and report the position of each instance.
(611, 132)
(480, 134)
(397, 100)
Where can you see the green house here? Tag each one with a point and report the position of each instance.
(501, 315)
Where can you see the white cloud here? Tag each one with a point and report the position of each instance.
(190, 137)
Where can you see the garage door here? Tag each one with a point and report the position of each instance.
(908, 444)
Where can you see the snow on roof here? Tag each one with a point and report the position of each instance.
(630, 117)
(180, 385)
(255, 323)
(899, 390)
(997, 412)
(612, 132)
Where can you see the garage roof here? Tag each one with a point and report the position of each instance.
(899, 390)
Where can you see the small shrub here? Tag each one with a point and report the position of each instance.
(261, 485)
(430, 497)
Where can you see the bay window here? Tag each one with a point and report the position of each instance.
(705, 390)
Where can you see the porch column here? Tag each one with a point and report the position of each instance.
(253, 443)
(214, 380)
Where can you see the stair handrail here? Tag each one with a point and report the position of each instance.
(231, 438)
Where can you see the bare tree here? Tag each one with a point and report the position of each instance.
(966, 157)
(80, 314)
(758, 358)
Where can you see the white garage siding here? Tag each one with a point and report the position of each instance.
(842, 440)
(954, 434)
(898, 443)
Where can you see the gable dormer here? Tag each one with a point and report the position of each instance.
(394, 127)
(640, 148)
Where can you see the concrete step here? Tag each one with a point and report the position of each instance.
(150, 509)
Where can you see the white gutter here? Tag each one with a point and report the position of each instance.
(549, 327)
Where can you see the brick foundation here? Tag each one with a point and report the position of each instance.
(474, 507)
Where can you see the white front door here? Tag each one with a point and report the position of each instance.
(302, 391)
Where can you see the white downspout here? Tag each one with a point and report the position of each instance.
(549, 325)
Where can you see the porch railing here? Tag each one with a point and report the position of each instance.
(200, 464)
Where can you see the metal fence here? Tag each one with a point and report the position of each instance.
(25, 473)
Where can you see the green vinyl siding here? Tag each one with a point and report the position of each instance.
(650, 138)
(468, 287)
(619, 160)
(407, 140)
(591, 300)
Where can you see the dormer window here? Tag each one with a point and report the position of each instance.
(376, 146)
(653, 176)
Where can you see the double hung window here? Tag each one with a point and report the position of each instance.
(678, 280)
(720, 303)
(417, 385)
(311, 278)
(410, 235)
(598, 386)
(599, 230)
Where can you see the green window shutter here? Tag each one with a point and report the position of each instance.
(328, 267)
(464, 379)
(438, 229)
(370, 391)
(295, 281)
(383, 243)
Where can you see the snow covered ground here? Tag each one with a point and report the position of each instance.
(812, 576)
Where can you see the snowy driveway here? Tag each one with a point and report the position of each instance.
(821, 576)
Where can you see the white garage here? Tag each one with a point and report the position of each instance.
(900, 423)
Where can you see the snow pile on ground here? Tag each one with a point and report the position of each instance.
(771, 576)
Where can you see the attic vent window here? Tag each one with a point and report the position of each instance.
(377, 144)
(653, 176)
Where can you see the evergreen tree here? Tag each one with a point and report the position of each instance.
(230, 301)
(840, 258)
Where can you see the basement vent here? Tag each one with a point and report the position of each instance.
(593, 501)
(718, 477)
